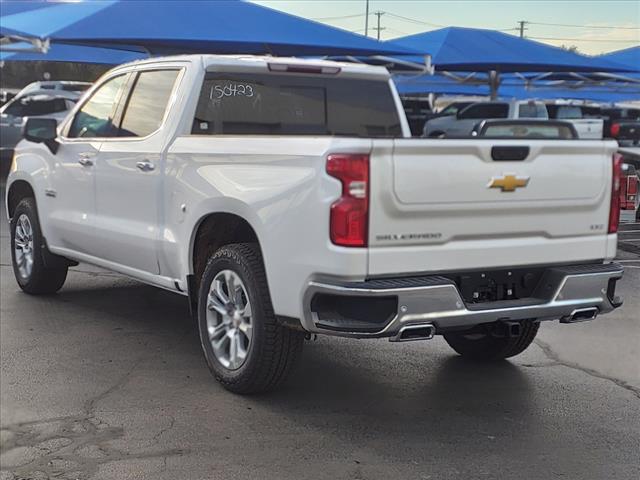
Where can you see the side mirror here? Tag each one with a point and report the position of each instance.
(42, 130)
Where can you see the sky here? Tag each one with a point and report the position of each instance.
(602, 25)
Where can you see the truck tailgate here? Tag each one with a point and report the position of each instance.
(588, 128)
(443, 205)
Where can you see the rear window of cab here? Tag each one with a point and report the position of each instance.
(286, 104)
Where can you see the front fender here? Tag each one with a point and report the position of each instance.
(29, 166)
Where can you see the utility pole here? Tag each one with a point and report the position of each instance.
(379, 28)
(522, 27)
(366, 20)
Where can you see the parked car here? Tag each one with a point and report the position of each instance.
(14, 114)
(452, 109)
(525, 128)
(622, 124)
(285, 197)
(53, 87)
(586, 125)
(417, 110)
(629, 194)
(6, 95)
(462, 123)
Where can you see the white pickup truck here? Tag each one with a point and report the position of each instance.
(286, 198)
(587, 127)
(461, 123)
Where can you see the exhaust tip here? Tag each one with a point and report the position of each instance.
(581, 315)
(410, 333)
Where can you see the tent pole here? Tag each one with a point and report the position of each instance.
(494, 83)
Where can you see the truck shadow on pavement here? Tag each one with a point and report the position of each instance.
(334, 373)
(376, 398)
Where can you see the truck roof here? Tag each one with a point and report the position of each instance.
(247, 61)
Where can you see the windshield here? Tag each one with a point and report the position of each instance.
(525, 130)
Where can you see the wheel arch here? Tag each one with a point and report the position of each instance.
(18, 190)
(213, 231)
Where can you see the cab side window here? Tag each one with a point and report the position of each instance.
(95, 118)
(147, 103)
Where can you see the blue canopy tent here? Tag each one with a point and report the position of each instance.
(513, 87)
(629, 57)
(479, 50)
(72, 53)
(412, 84)
(163, 27)
(457, 49)
(12, 41)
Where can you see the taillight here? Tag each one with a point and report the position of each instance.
(614, 212)
(630, 192)
(349, 218)
(615, 129)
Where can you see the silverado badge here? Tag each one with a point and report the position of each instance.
(508, 183)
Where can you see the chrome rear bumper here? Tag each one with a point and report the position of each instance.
(565, 293)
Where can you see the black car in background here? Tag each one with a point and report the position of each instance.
(622, 124)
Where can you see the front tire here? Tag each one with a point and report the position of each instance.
(27, 245)
(490, 347)
(246, 349)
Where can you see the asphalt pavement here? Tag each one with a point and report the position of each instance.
(105, 380)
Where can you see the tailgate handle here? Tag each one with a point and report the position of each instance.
(509, 153)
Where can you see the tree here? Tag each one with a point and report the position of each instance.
(570, 48)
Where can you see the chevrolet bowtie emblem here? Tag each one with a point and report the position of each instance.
(508, 183)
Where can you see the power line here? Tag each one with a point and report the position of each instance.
(338, 18)
(602, 40)
(583, 26)
(397, 31)
(413, 20)
(436, 25)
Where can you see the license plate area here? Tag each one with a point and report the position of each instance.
(497, 285)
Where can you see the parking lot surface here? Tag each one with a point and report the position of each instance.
(105, 380)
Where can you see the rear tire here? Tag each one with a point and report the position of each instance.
(246, 349)
(488, 347)
(27, 245)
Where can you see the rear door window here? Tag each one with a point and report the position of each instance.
(532, 110)
(146, 106)
(565, 112)
(485, 110)
(454, 108)
(273, 104)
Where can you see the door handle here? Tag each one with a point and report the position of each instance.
(145, 166)
(85, 161)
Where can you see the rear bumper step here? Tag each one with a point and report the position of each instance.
(415, 308)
